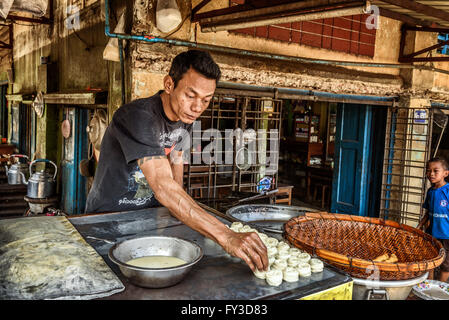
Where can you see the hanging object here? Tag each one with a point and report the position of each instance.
(96, 128)
(38, 104)
(168, 16)
(36, 7)
(111, 51)
(65, 126)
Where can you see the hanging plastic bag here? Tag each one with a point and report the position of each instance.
(5, 6)
(168, 16)
(111, 52)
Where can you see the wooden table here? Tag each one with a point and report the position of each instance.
(319, 175)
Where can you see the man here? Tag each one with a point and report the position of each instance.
(139, 163)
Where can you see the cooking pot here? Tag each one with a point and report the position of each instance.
(41, 184)
(14, 171)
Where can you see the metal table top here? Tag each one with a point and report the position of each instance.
(217, 276)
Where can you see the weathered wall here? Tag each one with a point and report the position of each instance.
(77, 54)
(150, 62)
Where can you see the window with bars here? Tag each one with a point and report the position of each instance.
(407, 144)
(345, 34)
(228, 113)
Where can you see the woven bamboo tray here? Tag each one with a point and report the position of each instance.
(351, 243)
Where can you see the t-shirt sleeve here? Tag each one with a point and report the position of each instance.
(138, 134)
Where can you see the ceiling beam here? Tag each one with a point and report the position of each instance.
(406, 18)
(420, 8)
(302, 11)
(280, 8)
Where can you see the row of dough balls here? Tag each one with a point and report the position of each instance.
(285, 263)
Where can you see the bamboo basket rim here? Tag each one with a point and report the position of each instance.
(348, 261)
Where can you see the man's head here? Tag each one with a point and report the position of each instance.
(190, 85)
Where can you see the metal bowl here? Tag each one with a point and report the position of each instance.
(126, 250)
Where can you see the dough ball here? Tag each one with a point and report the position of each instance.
(290, 274)
(304, 270)
(304, 257)
(283, 245)
(274, 277)
(282, 256)
(236, 226)
(279, 264)
(272, 242)
(316, 265)
(271, 260)
(246, 228)
(262, 236)
(293, 261)
(261, 274)
(294, 251)
(272, 251)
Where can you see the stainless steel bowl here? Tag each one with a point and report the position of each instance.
(126, 250)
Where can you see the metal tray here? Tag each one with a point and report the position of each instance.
(432, 290)
(270, 218)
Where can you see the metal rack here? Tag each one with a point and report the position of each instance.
(226, 172)
(407, 149)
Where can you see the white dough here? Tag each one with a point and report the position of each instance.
(271, 260)
(293, 261)
(304, 270)
(261, 274)
(283, 255)
(272, 242)
(294, 251)
(316, 265)
(283, 245)
(279, 264)
(274, 277)
(290, 274)
(246, 228)
(304, 257)
(272, 251)
(284, 251)
(262, 236)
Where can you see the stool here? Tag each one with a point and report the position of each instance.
(324, 192)
(284, 191)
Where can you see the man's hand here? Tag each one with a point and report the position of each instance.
(249, 248)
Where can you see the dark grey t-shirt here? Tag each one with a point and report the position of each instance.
(138, 129)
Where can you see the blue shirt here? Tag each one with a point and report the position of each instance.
(437, 202)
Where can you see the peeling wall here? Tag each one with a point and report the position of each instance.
(155, 59)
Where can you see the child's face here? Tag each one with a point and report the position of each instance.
(436, 172)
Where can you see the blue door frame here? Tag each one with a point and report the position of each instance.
(351, 163)
(73, 197)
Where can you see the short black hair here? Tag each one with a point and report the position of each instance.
(440, 160)
(200, 61)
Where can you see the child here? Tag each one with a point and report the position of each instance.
(436, 208)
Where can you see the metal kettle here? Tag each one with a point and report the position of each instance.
(13, 172)
(41, 184)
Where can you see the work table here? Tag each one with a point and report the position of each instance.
(217, 276)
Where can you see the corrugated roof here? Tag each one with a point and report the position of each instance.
(433, 11)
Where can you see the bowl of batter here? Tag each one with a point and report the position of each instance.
(155, 261)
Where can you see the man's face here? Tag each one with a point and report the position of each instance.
(191, 96)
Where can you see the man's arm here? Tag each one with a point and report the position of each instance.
(171, 195)
(177, 167)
